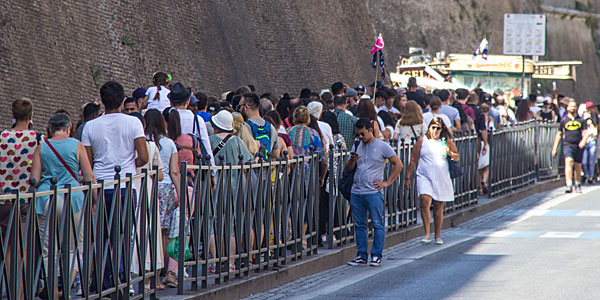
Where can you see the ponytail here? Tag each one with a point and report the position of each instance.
(159, 78)
(173, 124)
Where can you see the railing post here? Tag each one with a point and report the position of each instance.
(182, 215)
(331, 198)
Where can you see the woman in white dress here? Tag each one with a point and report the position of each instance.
(433, 177)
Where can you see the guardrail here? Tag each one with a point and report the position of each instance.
(522, 154)
(266, 209)
(115, 231)
(258, 216)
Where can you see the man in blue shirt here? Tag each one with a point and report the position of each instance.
(202, 104)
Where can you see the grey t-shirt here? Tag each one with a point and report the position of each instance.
(450, 112)
(370, 165)
(261, 122)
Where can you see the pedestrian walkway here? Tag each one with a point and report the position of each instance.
(541, 247)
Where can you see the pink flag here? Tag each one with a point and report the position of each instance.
(378, 45)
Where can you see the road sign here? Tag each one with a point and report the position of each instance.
(524, 34)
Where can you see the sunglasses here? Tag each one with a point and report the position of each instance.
(436, 128)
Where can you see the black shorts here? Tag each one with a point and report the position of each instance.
(573, 152)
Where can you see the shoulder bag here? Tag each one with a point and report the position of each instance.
(453, 167)
(62, 161)
(347, 179)
(221, 144)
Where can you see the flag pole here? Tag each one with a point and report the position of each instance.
(376, 74)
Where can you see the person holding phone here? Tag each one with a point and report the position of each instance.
(369, 159)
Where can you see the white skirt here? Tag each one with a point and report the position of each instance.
(484, 160)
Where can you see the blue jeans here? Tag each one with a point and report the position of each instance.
(360, 204)
(589, 159)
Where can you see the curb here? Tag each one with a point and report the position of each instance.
(331, 258)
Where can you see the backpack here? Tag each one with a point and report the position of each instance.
(465, 120)
(263, 135)
(195, 139)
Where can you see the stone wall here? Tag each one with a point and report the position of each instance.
(58, 52)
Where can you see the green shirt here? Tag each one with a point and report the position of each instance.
(347, 126)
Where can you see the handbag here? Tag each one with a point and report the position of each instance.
(347, 179)
(453, 166)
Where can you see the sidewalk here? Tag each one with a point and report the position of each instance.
(488, 257)
(330, 258)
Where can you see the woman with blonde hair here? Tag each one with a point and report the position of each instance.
(411, 124)
(240, 130)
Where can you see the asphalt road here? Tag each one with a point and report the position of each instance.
(543, 247)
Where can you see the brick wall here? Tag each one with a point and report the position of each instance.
(58, 52)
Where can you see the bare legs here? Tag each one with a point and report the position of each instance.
(438, 215)
(426, 214)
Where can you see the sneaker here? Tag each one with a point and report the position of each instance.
(578, 188)
(212, 268)
(358, 261)
(439, 241)
(569, 189)
(426, 240)
(375, 261)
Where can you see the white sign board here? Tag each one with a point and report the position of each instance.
(524, 34)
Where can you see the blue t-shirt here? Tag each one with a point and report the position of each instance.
(53, 168)
(204, 115)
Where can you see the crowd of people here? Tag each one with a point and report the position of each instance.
(166, 124)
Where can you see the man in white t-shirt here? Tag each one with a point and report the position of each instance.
(112, 140)
(190, 122)
(435, 103)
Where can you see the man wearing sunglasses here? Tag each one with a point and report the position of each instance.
(368, 159)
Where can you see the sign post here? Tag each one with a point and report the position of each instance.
(524, 34)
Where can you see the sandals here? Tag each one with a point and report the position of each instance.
(170, 280)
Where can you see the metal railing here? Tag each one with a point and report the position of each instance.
(236, 219)
(522, 154)
(270, 212)
(103, 236)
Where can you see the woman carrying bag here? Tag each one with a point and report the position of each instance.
(60, 157)
(430, 155)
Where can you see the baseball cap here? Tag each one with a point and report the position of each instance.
(350, 92)
(589, 104)
(499, 92)
(139, 93)
(360, 88)
(193, 99)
